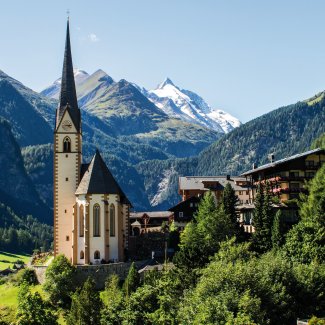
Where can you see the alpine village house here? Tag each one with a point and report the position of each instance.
(286, 178)
(91, 212)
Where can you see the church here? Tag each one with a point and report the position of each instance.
(91, 212)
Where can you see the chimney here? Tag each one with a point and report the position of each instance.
(228, 177)
(271, 156)
(254, 165)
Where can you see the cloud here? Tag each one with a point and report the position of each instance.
(93, 37)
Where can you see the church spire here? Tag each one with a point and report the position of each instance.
(68, 96)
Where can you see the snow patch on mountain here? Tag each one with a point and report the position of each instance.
(189, 106)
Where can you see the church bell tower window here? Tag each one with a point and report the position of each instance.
(66, 144)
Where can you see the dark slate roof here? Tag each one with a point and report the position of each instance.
(282, 161)
(83, 169)
(192, 199)
(97, 179)
(197, 182)
(68, 97)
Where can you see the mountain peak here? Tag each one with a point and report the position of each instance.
(100, 72)
(166, 82)
(79, 72)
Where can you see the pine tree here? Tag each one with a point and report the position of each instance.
(263, 220)
(113, 301)
(305, 242)
(202, 236)
(229, 202)
(258, 215)
(132, 281)
(278, 230)
(268, 216)
(85, 306)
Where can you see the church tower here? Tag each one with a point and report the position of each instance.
(67, 157)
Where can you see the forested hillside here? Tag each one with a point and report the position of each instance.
(147, 150)
(16, 188)
(282, 132)
(116, 118)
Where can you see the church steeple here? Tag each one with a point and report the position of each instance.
(68, 96)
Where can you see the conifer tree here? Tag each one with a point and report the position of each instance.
(229, 202)
(263, 219)
(85, 306)
(305, 242)
(278, 230)
(113, 302)
(132, 280)
(202, 236)
(192, 252)
(268, 216)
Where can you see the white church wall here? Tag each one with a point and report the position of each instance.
(81, 200)
(96, 243)
(66, 165)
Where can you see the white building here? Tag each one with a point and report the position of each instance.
(91, 212)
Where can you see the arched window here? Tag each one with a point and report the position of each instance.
(96, 255)
(112, 221)
(66, 144)
(96, 224)
(82, 255)
(81, 221)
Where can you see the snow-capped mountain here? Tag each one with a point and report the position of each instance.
(172, 100)
(53, 90)
(188, 106)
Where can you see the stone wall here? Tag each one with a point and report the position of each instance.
(40, 272)
(99, 273)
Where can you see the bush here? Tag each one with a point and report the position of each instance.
(33, 310)
(28, 275)
(59, 281)
(7, 315)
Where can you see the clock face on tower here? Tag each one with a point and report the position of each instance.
(66, 125)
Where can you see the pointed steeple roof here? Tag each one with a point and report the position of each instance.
(99, 180)
(68, 96)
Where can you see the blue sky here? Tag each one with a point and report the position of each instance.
(246, 57)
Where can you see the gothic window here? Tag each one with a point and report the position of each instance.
(97, 255)
(112, 221)
(82, 255)
(96, 224)
(81, 221)
(66, 144)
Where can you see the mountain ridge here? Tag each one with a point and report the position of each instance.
(186, 105)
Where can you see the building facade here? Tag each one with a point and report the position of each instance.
(190, 186)
(150, 221)
(91, 212)
(287, 177)
(192, 189)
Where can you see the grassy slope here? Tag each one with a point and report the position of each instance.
(7, 259)
(9, 297)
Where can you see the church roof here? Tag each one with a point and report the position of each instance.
(68, 96)
(97, 179)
